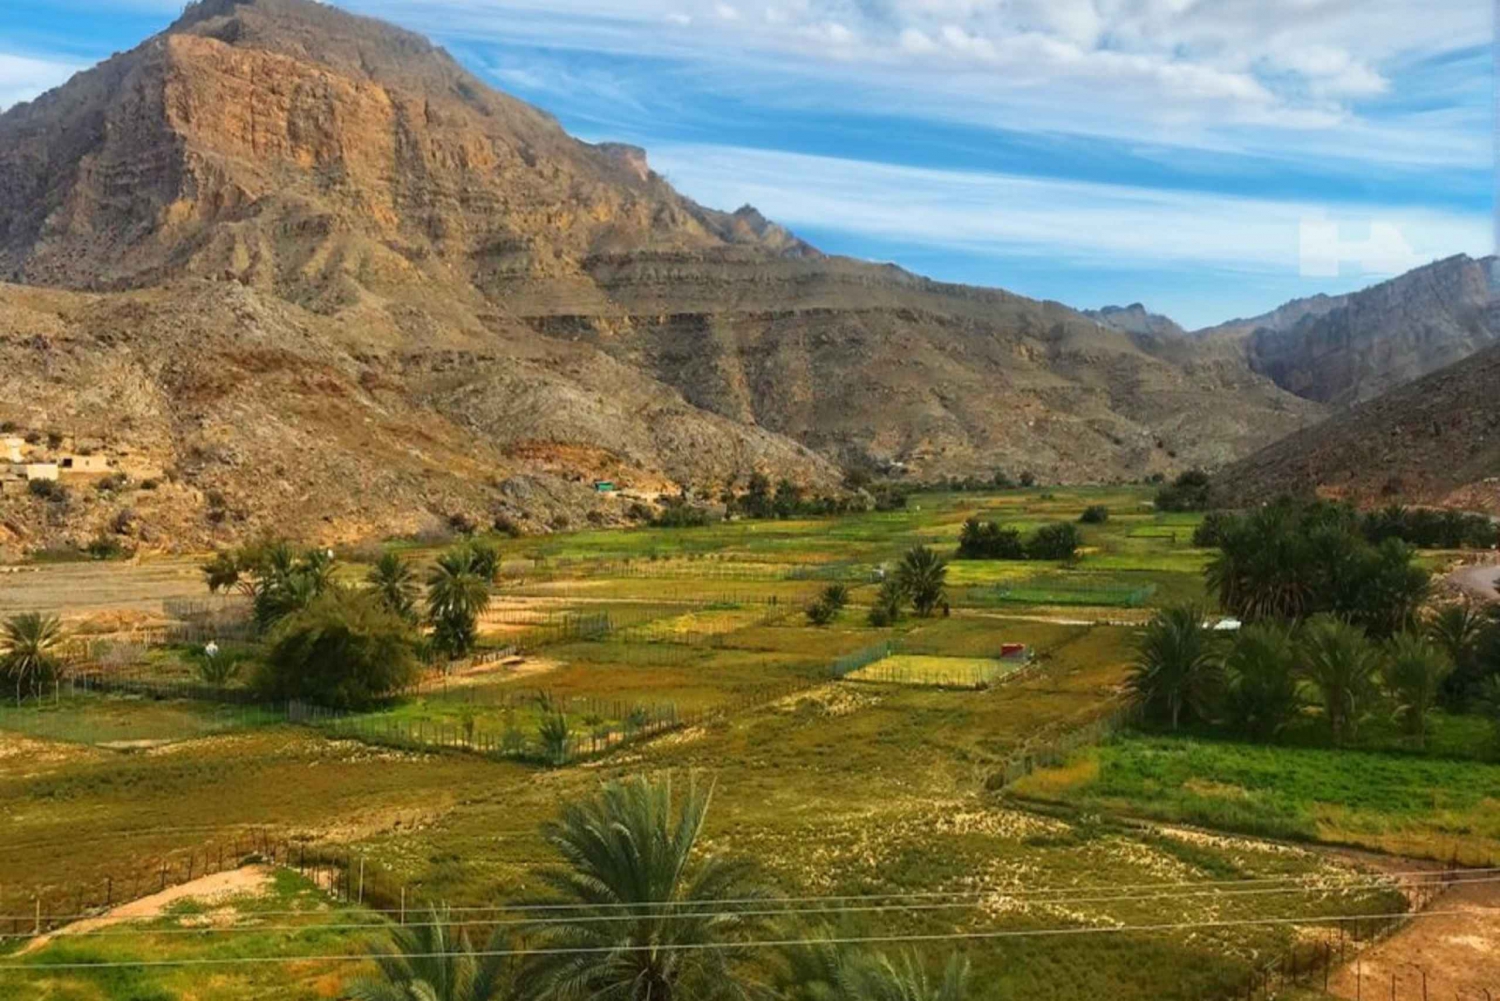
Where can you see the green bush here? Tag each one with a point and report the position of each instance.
(1095, 514)
(344, 650)
(1054, 542)
(1189, 492)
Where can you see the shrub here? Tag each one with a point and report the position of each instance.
(105, 547)
(556, 739)
(1059, 541)
(678, 513)
(1096, 514)
(820, 613)
(1189, 492)
(506, 525)
(1210, 531)
(887, 608)
(989, 541)
(1414, 672)
(1028, 479)
(344, 650)
(48, 490)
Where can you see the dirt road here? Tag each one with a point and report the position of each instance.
(1478, 580)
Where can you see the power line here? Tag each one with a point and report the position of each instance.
(769, 943)
(1389, 879)
(376, 921)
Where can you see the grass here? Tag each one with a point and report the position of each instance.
(841, 788)
(1412, 805)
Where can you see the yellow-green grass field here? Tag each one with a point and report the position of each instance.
(836, 788)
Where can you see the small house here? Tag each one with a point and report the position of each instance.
(604, 487)
(40, 470)
(12, 449)
(85, 464)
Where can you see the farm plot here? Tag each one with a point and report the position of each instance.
(939, 672)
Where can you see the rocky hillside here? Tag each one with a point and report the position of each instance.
(1435, 441)
(1347, 349)
(326, 280)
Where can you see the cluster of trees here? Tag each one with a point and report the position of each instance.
(1259, 682)
(988, 540)
(631, 855)
(341, 644)
(1291, 561)
(1430, 529)
(920, 580)
(1189, 492)
(789, 500)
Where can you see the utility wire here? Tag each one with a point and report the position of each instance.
(766, 943)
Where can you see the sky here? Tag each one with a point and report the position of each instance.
(1210, 158)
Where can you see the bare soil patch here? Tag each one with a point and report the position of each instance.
(250, 880)
(1460, 952)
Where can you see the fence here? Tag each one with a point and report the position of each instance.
(1049, 752)
(1061, 590)
(1315, 966)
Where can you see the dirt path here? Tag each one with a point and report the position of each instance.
(1478, 580)
(1459, 952)
(250, 880)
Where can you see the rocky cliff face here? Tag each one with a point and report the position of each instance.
(330, 281)
(1354, 348)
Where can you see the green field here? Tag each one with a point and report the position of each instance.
(1406, 804)
(883, 782)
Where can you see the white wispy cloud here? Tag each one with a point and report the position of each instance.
(1211, 73)
(24, 77)
(1086, 224)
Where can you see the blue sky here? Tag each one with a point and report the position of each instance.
(1211, 158)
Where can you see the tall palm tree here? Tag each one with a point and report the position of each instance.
(877, 978)
(28, 650)
(1262, 692)
(653, 922)
(923, 576)
(1414, 671)
(457, 594)
(432, 961)
(1176, 668)
(1458, 630)
(396, 582)
(1340, 660)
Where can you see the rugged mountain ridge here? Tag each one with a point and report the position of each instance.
(284, 253)
(1433, 441)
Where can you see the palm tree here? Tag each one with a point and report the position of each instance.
(922, 576)
(1340, 660)
(651, 921)
(27, 650)
(457, 594)
(1458, 630)
(1262, 694)
(1176, 667)
(1415, 670)
(394, 580)
(432, 961)
(876, 978)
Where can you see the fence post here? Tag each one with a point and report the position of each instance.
(38, 914)
(361, 879)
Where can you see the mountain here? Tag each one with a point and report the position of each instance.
(1347, 349)
(1135, 319)
(323, 280)
(1434, 441)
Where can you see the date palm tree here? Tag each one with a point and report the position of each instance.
(645, 920)
(1458, 630)
(396, 582)
(877, 978)
(1176, 670)
(458, 592)
(1341, 661)
(1262, 692)
(433, 961)
(1415, 670)
(923, 576)
(28, 651)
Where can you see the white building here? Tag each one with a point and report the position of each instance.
(12, 449)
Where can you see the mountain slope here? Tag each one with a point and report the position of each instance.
(1346, 349)
(279, 172)
(1434, 441)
